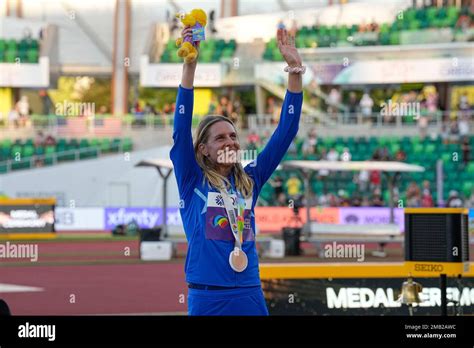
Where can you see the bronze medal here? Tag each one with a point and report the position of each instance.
(238, 260)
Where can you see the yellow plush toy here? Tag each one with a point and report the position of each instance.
(197, 20)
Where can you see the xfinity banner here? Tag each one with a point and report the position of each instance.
(145, 217)
(26, 218)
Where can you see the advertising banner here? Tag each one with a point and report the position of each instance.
(377, 71)
(79, 219)
(169, 74)
(364, 296)
(273, 219)
(145, 217)
(26, 216)
(371, 215)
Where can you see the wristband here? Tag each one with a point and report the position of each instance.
(296, 69)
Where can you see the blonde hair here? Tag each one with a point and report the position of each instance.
(243, 182)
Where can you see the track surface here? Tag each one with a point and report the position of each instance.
(107, 277)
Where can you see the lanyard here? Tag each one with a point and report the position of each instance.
(236, 220)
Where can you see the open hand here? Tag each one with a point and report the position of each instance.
(286, 45)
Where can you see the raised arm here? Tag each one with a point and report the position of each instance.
(186, 169)
(286, 45)
(272, 154)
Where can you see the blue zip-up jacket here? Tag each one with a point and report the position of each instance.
(204, 217)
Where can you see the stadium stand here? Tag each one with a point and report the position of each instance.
(417, 151)
(421, 20)
(26, 50)
(24, 154)
(211, 51)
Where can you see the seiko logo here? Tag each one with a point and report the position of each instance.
(428, 267)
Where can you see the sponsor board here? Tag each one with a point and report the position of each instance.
(368, 296)
(26, 218)
(79, 219)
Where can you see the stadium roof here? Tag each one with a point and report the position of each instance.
(386, 166)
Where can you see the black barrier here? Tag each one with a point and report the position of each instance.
(150, 234)
(291, 236)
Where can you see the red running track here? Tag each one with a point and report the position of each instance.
(98, 289)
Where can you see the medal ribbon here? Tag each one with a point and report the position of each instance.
(236, 219)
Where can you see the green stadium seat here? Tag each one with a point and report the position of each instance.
(84, 143)
(105, 145)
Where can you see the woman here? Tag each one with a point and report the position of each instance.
(222, 264)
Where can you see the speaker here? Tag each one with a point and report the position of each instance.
(436, 234)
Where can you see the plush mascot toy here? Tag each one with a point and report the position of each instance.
(197, 20)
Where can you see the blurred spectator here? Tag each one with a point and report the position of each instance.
(294, 187)
(353, 107)
(224, 107)
(277, 184)
(281, 200)
(454, 201)
(237, 110)
(423, 126)
(366, 104)
(413, 195)
(167, 110)
(346, 155)
(173, 24)
(23, 107)
(464, 106)
(377, 200)
(39, 139)
(50, 141)
(362, 178)
(376, 155)
(323, 200)
(400, 156)
(453, 131)
(427, 198)
(365, 201)
(385, 154)
(466, 151)
(102, 110)
(212, 24)
(148, 110)
(333, 201)
(212, 106)
(253, 140)
(45, 101)
(463, 126)
(137, 109)
(332, 155)
(344, 200)
(323, 173)
(309, 144)
(356, 200)
(375, 179)
(333, 102)
(13, 118)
